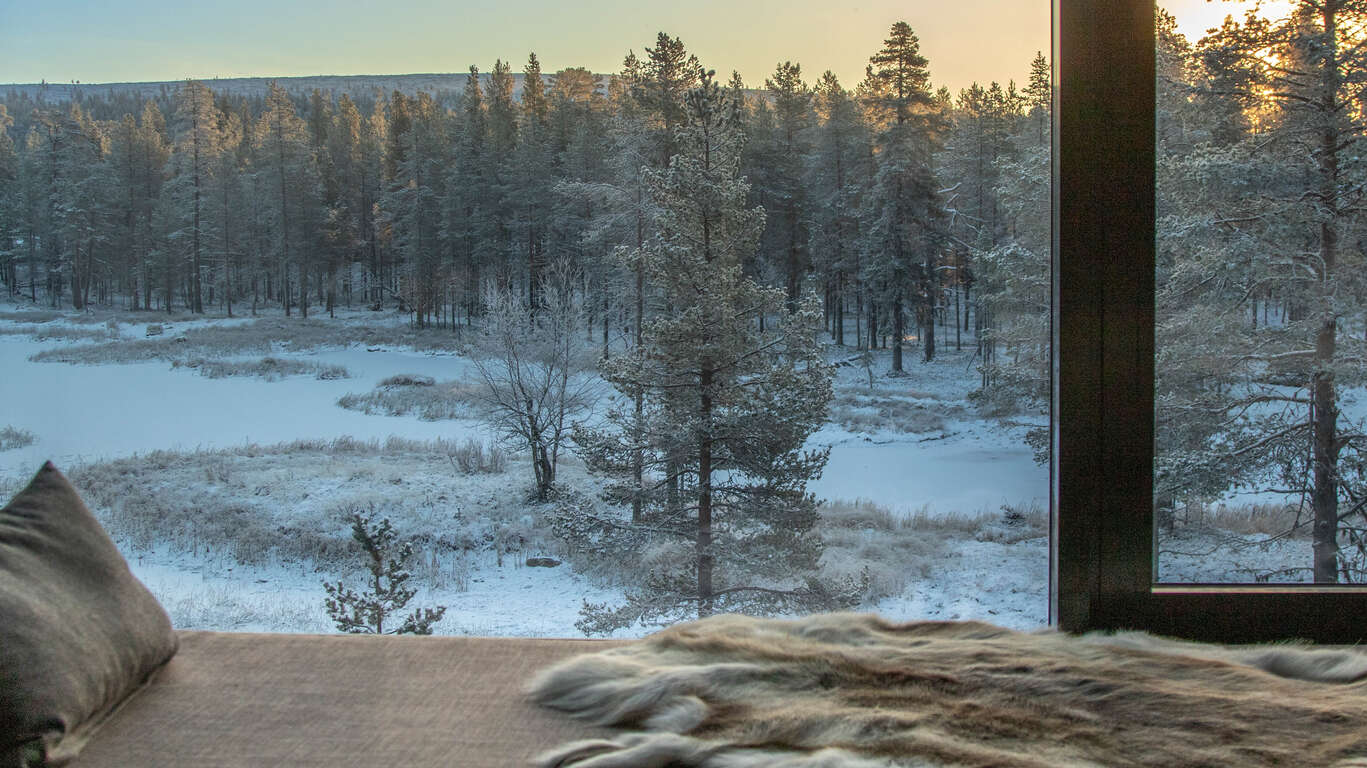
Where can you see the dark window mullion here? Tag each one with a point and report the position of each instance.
(1103, 353)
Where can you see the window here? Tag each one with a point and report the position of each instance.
(207, 232)
(1104, 234)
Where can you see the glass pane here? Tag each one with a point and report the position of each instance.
(1260, 337)
(587, 343)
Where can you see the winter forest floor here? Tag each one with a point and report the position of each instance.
(222, 454)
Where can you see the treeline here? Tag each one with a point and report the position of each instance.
(905, 207)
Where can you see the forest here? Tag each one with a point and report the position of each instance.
(303, 201)
(893, 214)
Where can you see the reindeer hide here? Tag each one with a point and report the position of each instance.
(856, 691)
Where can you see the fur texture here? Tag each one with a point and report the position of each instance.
(856, 691)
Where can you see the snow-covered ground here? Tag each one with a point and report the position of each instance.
(934, 459)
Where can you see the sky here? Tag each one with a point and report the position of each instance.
(100, 41)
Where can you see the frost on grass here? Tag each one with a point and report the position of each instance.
(258, 338)
(861, 542)
(413, 395)
(407, 380)
(58, 332)
(1234, 543)
(12, 438)
(889, 410)
(276, 517)
(268, 368)
(269, 504)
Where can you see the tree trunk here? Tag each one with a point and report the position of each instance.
(196, 295)
(840, 308)
(704, 541)
(1324, 408)
(638, 459)
(898, 331)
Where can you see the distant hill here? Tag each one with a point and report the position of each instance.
(352, 85)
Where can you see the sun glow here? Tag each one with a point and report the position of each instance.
(1195, 18)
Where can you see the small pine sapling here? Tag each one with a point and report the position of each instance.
(366, 613)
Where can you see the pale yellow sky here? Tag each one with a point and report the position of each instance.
(97, 41)
(1194, 17)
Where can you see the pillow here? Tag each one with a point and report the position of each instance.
(78, 633)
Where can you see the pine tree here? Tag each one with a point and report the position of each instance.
(288, 169)
(347, 218)
(532, 176)
(197, 144)
(365, 613)
(138, 156)
(834, 189)
(906, 218)
(501, 119)
(229, 204)
(469, 221)
(1039, 96)
(9, 193)
(658, 87)
(82, 217)
(728, 406)
(579, 127)
(785, 200)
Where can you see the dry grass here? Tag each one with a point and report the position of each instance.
(476, 458)
(862, 537)
(58, 332)
(267, 505)
(257, 338)
(407, 380)
(1243, 519)
(268, 368)
(402, 396)
(897, 411)
(12, 438)
(32, 316)
(859, 539)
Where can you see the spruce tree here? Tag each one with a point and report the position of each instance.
(469, 212)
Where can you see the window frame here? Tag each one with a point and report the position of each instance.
(1101, 474)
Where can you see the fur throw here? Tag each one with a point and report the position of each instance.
(856, 691)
